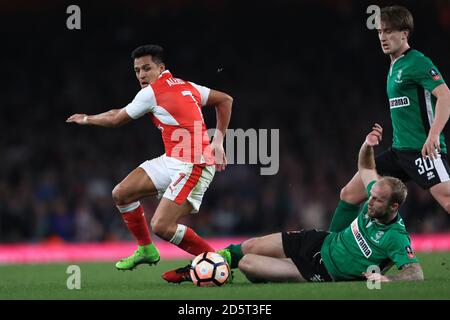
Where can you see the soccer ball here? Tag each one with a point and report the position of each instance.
(209, 269)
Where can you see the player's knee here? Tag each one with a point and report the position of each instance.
(249, 246)
(119, 195)
(447, 207)
(158, 227)
(246, 264)
(350, 196)
(161, 228)
(248, 267)
(345, 193)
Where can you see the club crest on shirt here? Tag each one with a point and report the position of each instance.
(377, 236)
(399, 76)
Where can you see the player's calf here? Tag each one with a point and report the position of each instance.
(186, 238)
(163, 228)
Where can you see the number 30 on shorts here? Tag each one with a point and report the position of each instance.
(424, 165)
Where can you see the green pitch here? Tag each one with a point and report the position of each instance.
(103, 281)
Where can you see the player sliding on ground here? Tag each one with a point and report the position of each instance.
(377, 237)
(182, 175)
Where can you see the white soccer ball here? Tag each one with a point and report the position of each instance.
(209, 269)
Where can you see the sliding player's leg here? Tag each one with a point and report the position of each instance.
(258, 268)
(348, 207)
(270, 245)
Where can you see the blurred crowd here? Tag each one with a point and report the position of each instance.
(311, 69)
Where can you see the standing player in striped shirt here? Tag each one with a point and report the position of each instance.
(181, 176)
(419, 102)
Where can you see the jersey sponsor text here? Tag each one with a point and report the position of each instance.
(399, 102)
(365, 249)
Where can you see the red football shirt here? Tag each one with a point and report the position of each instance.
(174, 106)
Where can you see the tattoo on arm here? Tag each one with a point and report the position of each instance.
(410, 271)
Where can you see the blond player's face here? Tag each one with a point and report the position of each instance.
(391, 40)
(146, 70)
(378, 204)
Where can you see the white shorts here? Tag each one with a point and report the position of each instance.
(177, 180)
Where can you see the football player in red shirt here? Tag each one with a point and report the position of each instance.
(181, 176)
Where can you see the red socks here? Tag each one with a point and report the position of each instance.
(133, 215)
(186, 239)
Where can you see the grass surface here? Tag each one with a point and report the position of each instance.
(103, 281)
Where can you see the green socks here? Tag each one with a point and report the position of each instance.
(236, 254)
(344, 214)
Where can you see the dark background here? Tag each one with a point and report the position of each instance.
(309, 68)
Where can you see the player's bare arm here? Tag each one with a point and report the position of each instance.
(111, 118)
(366, 159)
(432, 144)
(409, 272)
(223, 104)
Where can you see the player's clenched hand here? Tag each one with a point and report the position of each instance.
(375, 136)
(432, 146)
(78, 118)
(219, 155)
(375, 277)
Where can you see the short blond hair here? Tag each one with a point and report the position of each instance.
(398, 189)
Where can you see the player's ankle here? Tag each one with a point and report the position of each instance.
(148, 248)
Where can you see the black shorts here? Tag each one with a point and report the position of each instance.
(303, 247)
(409, 165)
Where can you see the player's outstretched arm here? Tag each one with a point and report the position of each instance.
(223, 104)
(111, 118)
(409, 272)
(366, 159)
(432, 144)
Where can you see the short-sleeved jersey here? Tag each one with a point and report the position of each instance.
(174, 106)
(348, 253)
(411, 79)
